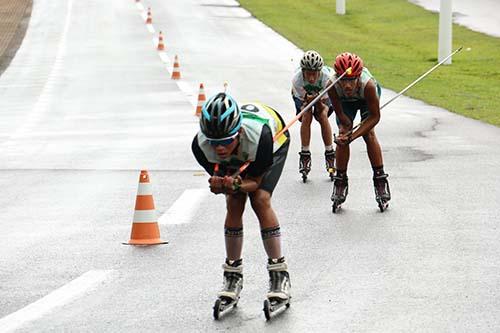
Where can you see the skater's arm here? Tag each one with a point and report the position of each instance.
(201, 158)
(337, 106)
(373, 107)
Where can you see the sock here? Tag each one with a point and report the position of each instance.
(271, 237)
(234, 242)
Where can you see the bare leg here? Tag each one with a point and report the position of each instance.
(305, 129)
(321, 115)
(269, 225)
(343, 153)
(373, 149)
(234, 225)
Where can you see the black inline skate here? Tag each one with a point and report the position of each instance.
(305, 164)
(382, 191)
(278, 296)
(340, 190)
(229, 296)
(330, 163)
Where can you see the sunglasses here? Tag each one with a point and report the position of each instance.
(348, 79)
(221, 142)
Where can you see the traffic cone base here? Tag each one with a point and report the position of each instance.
(145, 234)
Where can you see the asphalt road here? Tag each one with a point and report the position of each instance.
(87, 102)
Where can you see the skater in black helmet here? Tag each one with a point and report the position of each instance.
(229, 136)
(308, 80)
(357, 90)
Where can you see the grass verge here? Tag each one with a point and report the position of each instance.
(398, 42)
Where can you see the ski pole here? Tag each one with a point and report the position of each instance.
(311, 103)
(420, 78)
(308, 106)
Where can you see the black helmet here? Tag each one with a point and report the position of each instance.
(220, 117)
(311, 61)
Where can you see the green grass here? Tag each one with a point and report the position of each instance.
(398, 42)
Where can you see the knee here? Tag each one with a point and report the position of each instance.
(260, 201)
(235, 204)
(322, 118)
(370, 137)
(306, 118)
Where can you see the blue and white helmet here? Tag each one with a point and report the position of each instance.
(220, 117)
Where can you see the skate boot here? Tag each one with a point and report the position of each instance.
(305, 164)
(340, 190)
(278, 296)
(382, 191)
(330, 163)
(233, 283)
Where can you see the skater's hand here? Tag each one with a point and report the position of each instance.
(310, 96)
(342, 139)
(216, 184)
(231, 185)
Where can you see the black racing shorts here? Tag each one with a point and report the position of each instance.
(271, 176)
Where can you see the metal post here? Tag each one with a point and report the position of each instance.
(445, 30)
(340, 6)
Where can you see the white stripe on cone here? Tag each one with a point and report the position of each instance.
(145, 189)
(145, 216)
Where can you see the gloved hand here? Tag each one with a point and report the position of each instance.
(342, 139)
(232, 185)
(216, 184)
(309, 97)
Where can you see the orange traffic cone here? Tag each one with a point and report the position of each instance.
(149, 19)
(176, 73)
(161, 45)
(145, 229)
(201, 100)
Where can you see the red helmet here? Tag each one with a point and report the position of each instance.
(346, 60)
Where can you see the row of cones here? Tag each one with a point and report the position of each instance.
(176, 72)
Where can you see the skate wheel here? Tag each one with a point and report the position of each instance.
(267, 309)
(383, 206)
(217, 307)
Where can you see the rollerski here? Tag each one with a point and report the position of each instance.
(340, 190)
(330, 163)
(305, 164)
(229, 296)
(382, 191)
(278, 296)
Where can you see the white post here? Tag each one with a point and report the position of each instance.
(340, 5)
(445, 31)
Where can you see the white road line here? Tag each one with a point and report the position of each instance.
(151, 29)
(165, 59)
(45, 97)
(183, 209)
(140, 6)
(55, 299)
